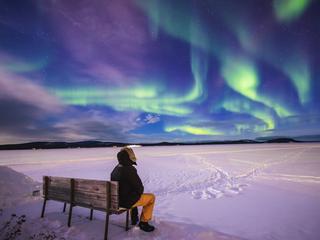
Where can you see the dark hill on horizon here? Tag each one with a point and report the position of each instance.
(96, 144)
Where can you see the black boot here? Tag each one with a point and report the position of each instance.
(145, 226)
(134, 216)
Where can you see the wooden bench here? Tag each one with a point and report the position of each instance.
(93, 194)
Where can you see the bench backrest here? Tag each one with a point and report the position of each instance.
(95, 194)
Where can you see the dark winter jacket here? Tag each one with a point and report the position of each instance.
(130, 185)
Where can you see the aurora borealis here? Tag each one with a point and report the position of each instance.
(158, 70)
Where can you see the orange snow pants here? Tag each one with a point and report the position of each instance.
(147, 201)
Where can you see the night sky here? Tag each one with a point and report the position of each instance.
(158, 70)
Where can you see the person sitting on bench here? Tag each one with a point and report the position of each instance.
(131, 189)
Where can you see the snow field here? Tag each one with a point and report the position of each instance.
(251, 191)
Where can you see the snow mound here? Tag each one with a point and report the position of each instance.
(15, 187)
(82, 229)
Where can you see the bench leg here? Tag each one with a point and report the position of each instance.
(70, 215)
(127, 220)
(91, 214)
(106, 227)
(43, 207)
(64, 207)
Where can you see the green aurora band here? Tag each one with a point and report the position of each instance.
(245, 106)
(19, 66)
(193, 130)
(298, 71)
(143, 98)
(289, 10)
(242, 76)
(184, 24)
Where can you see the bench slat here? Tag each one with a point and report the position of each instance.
(91, 195)
(91, 186)
(62, 190)
(59, 197)
(85, 195)
(92, 203)
(59, 182)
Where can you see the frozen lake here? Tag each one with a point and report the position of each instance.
(253, 191)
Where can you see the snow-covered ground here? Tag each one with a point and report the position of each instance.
(251, 191)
